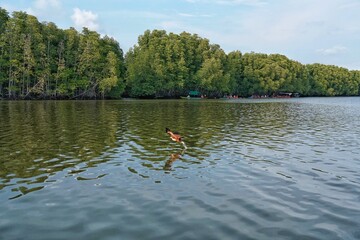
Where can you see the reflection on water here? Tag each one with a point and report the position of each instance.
(40, 139)
(254, 169)
(173, 158)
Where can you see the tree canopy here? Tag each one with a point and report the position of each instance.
(41, 61)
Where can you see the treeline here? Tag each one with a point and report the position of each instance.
(41, 61)
(168, 65)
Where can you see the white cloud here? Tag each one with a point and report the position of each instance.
(171, 25)
(7, 7)
(243, 2)
(350, 5)
(31, 11)
(83, 18)
(44, 4)
(39, 8)
(291, 25)
(188, 15)
(338, 49)
(136, 14)
(232, 2)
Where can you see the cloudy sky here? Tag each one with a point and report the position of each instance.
(308, 31)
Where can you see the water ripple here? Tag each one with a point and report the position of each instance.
(262, 169)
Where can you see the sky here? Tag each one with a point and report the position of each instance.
(308, 31)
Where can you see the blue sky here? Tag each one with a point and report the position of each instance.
(308, 31)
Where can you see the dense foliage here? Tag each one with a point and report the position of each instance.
(169, 64)
(39, 60)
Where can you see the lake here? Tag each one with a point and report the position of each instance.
(253, 169)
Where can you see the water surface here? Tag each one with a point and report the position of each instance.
(254, 169)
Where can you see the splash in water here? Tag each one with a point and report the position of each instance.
(183, 143)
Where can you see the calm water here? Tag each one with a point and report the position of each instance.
(254, 169)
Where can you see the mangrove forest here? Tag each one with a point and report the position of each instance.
(38, 60)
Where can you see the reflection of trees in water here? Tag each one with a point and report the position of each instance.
(191, 120)
(201, 123)
(172, 159)
(39, 139)
(209, 128)
(42, 138)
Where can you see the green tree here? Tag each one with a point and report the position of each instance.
(214, 82)
(233, 68)
(13, 42)
(34, 57)
(39, 60)
(141, 78)
(4, 17)
(68, 80)
(167, 65)
(110, 45)
(88, 66)
(111, 74)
